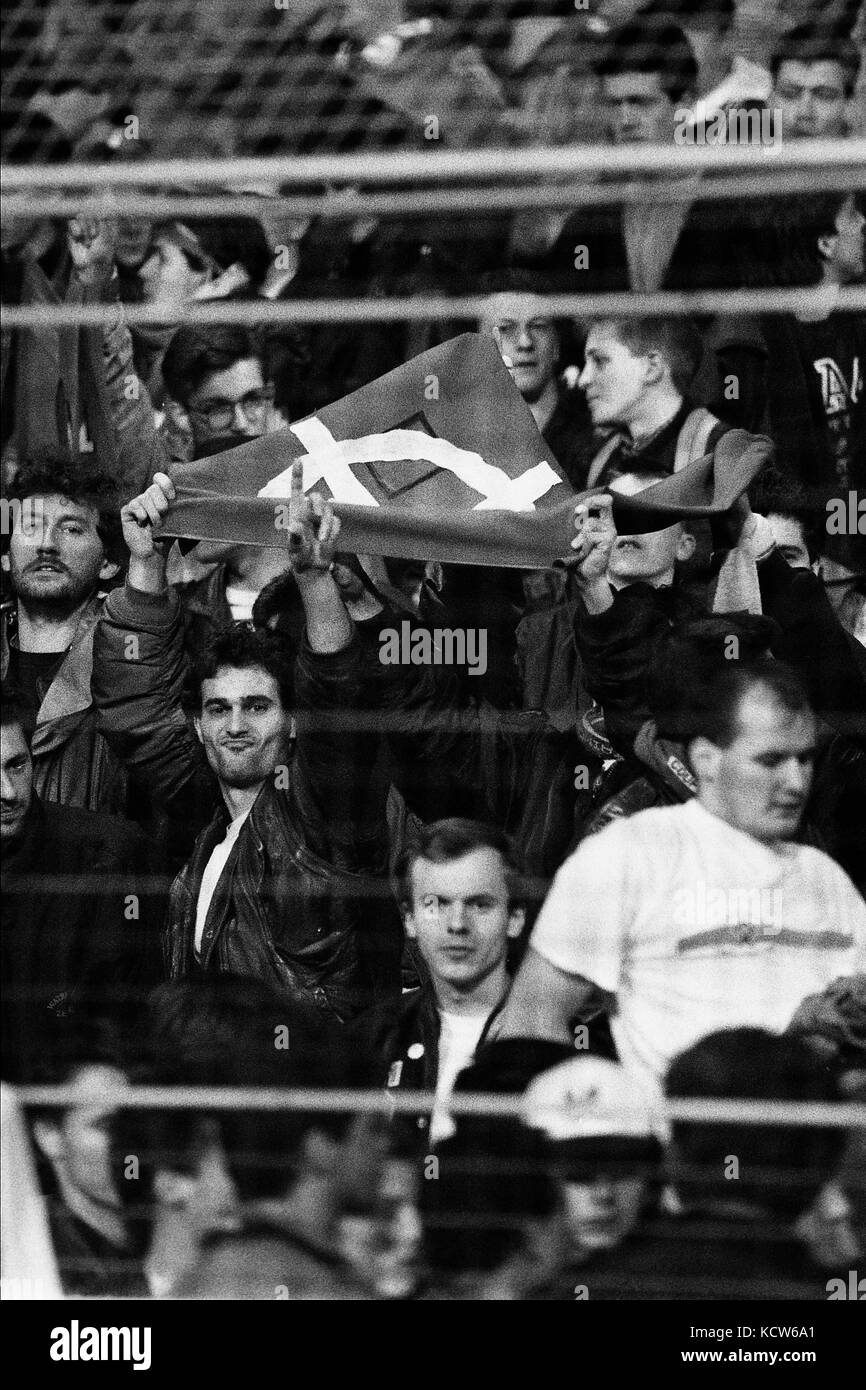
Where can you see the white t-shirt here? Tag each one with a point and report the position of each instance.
(695, 926)
(211, 876)
(458, 1039)
(240, 602)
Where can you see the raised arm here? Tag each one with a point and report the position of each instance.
(139, 663)
(141, 451)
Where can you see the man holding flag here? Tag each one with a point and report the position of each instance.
(286, 883)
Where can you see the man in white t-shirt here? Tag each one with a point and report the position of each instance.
(457, 886)
(705, 915)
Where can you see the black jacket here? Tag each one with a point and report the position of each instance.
(411, 1050)
(304, 901)
(77, 940)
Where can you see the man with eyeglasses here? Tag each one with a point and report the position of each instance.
(218, 375)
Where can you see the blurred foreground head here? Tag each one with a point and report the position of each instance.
(779, 1168)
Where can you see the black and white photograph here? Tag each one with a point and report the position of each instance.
(433, 716)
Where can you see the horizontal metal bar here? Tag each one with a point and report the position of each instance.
(434, 166)
(419, 308)
(809, 1114)
(444, 201)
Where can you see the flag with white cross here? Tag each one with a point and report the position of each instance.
(440, 459)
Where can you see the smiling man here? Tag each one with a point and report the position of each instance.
(280, 883)
(665, 911)
(457, 886)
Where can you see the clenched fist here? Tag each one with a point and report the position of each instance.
(144, 512)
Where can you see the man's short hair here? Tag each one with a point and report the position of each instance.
(196, 353)
(689, 658)
(781, 1166)
(710, 708)
(813, 44)
(777, 494)
(722, 12)
(678, 341)
(51, 475)
(446, 840)
(520, 280)
(239, 647)
(794, 227)
(649, 45)
(514, 280)
(218, 242)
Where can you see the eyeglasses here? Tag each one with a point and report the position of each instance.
(220, 415)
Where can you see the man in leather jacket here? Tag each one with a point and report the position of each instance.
(287, 881)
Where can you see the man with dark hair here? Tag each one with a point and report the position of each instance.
(94, 1243)
(217, 373)
(76, 924)
(726, 80)
(753, 1240)
(814, 76)
(815, 366)
(800, 375)
(648, 71)
(461, 908)
(189, 261)
(286, 881)
(742, 1226)
(795, 525)
(649, 75)
(64, 545)
(705, 914)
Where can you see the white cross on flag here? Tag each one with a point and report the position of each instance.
(421, 464)
(439, 460)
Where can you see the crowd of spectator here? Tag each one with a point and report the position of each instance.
(621, 865)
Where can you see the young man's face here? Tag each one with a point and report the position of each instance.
(79, 1144)
(230, 407)
(384, 1245)
(652, 556)
(55, 553)
(527, 338)
(790, 542)
(133, 242)
(461, 917)
(243, 725)
(199, 1196)
(639, 110)
(167, 276)
(846, 248)
(760, 783)
(614, 380)
(600, 1214)
(16, 780)
(812, 100)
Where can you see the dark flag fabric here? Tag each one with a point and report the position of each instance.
(441, 459)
